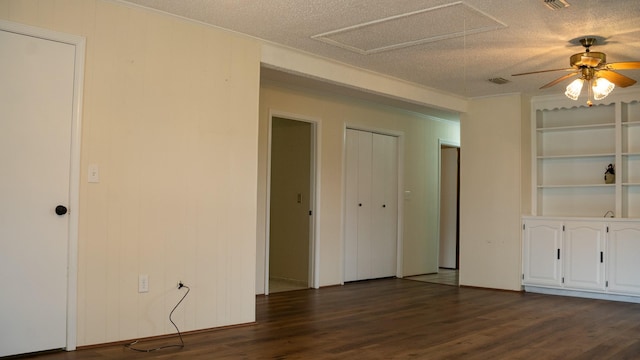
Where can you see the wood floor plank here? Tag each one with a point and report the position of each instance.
(403, 319)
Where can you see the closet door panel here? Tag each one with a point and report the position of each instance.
(371, 208)
(365, 249)
(351, 207)
(384, 203)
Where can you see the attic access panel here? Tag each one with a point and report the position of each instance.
(413, 28)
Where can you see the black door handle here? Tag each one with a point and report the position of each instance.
(61, 209)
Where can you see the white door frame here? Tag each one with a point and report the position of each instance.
(400, 194)
(314, 229)
(441, 142)
(74, 179)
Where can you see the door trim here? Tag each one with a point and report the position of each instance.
(314, 229)
(74, 172)
(400, 193)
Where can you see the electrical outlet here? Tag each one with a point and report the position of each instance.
(143, 283)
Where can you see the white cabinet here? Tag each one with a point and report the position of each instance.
(583, 261)
(623, 250)
(593, 226)
(542, 247)
(584, 257)
(371, 209)
(571, 149)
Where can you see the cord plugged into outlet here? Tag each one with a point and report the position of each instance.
(181, 344)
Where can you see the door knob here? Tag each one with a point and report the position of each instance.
(61, 209)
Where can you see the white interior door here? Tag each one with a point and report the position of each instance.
(36, 112)
(371, 209)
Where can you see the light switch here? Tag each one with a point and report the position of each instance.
(94, 174)
(407, 195)
(143, 283)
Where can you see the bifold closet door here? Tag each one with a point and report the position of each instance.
(371, 209)
(384, 194)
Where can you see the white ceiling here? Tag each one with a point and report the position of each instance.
(452, 46)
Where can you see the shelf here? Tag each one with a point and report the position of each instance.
(577, 156)
(576, 127)
(574, 186)
(572, 147)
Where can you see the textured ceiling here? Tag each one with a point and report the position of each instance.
(453, 46)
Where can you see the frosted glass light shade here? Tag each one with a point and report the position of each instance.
(601, 88)
(573, 89)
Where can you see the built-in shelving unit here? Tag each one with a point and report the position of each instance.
(630, 158)
(572, 145)
(583, 238)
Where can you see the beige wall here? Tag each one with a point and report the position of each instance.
(420, 173)
(490, 193)
(170, 117)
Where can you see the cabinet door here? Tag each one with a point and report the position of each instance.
(623, 258)
(583, 261)
(542, 249)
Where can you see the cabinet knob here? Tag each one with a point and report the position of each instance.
(360, 204)
(384, 205)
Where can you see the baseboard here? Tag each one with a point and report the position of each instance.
(581, 294)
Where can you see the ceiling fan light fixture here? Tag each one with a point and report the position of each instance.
(601, 88)
(574, 89)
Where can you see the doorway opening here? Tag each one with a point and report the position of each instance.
(291, 202)
(449, 194)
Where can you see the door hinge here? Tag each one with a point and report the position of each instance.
(310, 212)
(606, 283)
(563, 279)
(562, 227)
(523, 226)
(522, 276)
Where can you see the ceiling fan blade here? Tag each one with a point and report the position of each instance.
(560, 79)
(618, 79)
(544, 71)
(625, 65)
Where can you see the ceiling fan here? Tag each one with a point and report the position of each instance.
(592, 67)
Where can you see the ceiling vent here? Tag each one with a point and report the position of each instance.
(499, 80)
(556, 4)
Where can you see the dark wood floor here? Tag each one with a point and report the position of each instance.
(403, 319)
